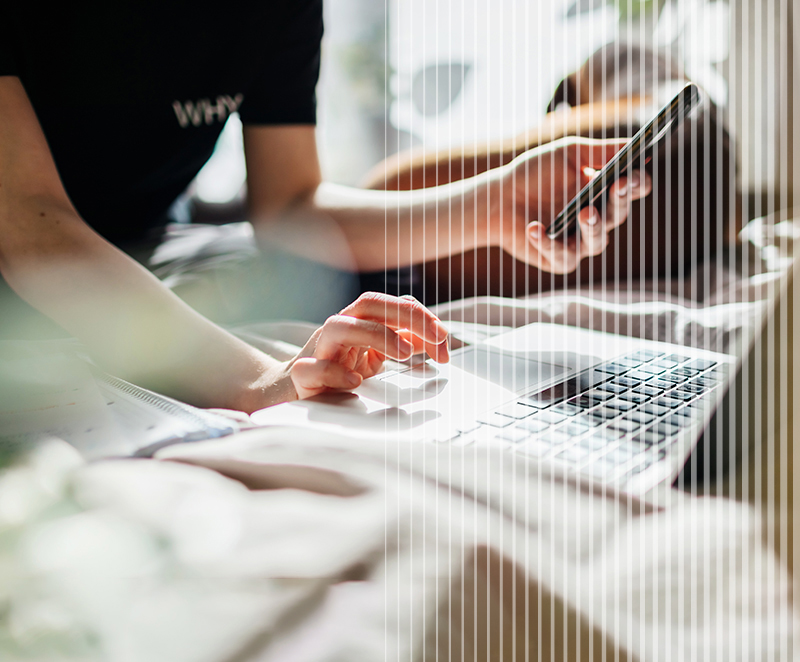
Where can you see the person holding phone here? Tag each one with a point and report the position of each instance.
(638, 151)
(94, 150)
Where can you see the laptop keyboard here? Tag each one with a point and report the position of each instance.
(610, 422)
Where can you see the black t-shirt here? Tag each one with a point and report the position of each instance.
(132, 95)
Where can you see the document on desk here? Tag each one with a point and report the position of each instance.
(49, 389)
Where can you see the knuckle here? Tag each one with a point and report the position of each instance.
(370, 298)
(567, 262)
(409, 308)
(332, 322)
(375, 328)
(409, 300)
(364, 299)
(617, 212)
(414, 308)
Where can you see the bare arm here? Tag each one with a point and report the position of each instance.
(506, 206)
(415, 169)
(132, 324)
(136, 328)
(290, 204)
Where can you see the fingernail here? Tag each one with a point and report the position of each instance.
(446, 357)
(594, 217)
(405, 348)
(623, 191)
(440, 330)
(353, 379)
(635, 179)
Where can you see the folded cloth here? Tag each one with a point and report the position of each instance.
(288, 544)
(137, 560)
(474, 533)
(713, 307)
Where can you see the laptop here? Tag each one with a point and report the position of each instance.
(618, 410)
(622, 411)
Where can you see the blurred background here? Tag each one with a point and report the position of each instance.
(415, 73)
(428, 76)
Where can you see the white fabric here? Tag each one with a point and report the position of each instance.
(691, 582)
(713, 307)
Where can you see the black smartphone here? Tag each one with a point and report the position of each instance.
(640, 148)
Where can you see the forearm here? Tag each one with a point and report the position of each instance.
(417, 169)
(386, 229)
(132, 325)
(371, 230)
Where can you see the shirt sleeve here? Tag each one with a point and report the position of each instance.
(285, 90)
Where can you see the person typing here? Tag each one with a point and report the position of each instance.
(94, 151)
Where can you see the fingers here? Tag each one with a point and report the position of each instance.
(313, 376)
(640, 184)
(622, 193)
(563, 257)
(398, 313)
(618, 202)
(348, 348)
(439, 353)
(594, 235)
(341, 333)
(559, 257)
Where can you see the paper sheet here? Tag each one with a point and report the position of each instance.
(46, 389)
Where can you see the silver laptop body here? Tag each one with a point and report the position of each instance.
(622, 411)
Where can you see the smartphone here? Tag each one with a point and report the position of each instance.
(640, 149)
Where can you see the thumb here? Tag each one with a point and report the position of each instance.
(535, 231)
(312, 376)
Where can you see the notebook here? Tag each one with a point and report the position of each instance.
(50, 389)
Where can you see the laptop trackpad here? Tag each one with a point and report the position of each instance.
(510, 371)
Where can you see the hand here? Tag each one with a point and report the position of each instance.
(353, 345)
(537, 185)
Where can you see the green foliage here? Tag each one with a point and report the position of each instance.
(629, 9)
(367, 68)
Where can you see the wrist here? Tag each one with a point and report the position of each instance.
(273, 387)
(492, 209)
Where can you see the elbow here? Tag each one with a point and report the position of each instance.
(35, 232)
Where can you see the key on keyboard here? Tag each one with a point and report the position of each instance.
(618, 416)
(533, 425)
(516, 410)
